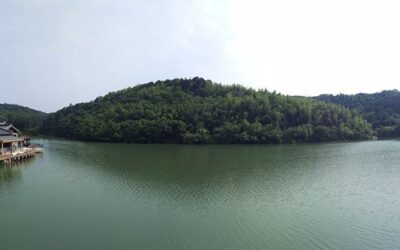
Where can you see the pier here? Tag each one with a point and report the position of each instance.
(27, 153)
(13, 149)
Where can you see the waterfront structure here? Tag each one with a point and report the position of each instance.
(13, 147)
(11, 129)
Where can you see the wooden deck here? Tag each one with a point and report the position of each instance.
(7, 158)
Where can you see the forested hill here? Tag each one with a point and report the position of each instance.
(381, 109)
(27, 120)
(200, 111)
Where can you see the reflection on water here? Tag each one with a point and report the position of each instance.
(8, 173)
(13, 170)
(119, 196)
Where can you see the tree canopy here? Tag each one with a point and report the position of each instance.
(381, 109)
(200, 111)
(26, 119)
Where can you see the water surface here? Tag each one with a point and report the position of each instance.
(120, 196)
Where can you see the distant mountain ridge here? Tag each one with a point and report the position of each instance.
(26, 119)
(381, 109)
(181, 111)
(200, 111)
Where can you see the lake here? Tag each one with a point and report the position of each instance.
(127, 196)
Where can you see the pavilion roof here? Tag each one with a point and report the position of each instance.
(5, 132)
(10, 127)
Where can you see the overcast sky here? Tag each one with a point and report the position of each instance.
(57, 52)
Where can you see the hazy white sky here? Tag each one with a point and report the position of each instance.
(57, 52)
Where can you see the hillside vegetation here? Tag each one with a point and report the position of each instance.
(200, 111)
(382, 109)
(29, 121)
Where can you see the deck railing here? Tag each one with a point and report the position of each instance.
(19, 154)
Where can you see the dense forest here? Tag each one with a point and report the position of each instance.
(200, 111)
(28, 120)
(382, 109)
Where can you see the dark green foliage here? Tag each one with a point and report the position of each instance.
(200, 111)
(25, 119)
(382, 109)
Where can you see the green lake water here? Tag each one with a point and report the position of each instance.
(127, 196)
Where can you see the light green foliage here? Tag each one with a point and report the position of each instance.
(200, 111)
(382, 109)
